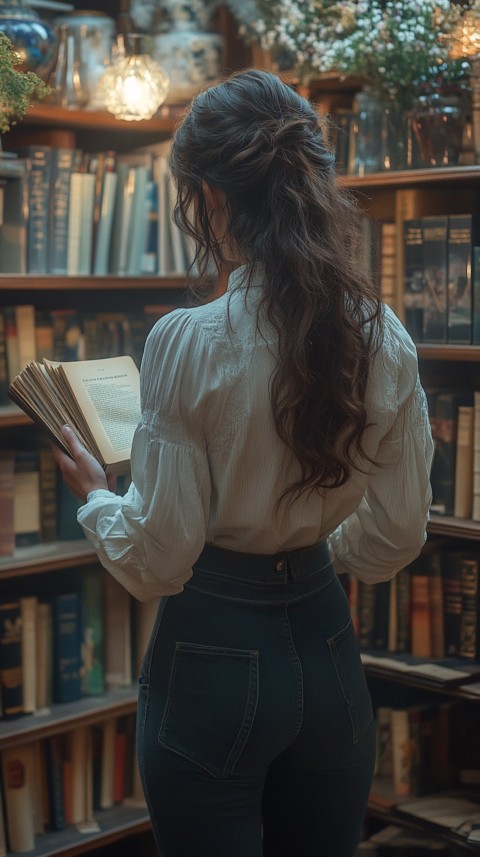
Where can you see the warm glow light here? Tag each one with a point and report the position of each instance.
(133, 88)
(466, 37)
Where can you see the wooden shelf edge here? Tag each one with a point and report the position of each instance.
(457, 353)
(50, 556)
(51, 282)
(49, 114)
(433, 175)
(456, 527)
(114, 825)
(63, 718)
(398, 818)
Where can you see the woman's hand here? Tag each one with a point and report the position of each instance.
(82, 474)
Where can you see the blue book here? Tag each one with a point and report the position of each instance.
(63, 163)
(67, 644)
(39, 175)
(55, 785)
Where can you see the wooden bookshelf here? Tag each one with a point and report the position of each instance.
(115, 824)
(163, 123)
(459, 528)
(50, 556)
(455, 353)
(413, 178)
(63, 718)
(51, 282)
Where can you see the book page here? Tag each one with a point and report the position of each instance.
(108, 393)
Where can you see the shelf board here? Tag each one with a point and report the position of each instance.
(115, 824)
(457, 353)
(461, 528)
(11, 416)
(394, 815)
(425, 176)
(411, 680)
(49, 282)
(48, 114)
(51, 556)
(64, 718)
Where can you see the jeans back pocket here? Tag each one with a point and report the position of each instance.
(211, 704)
(348, 665)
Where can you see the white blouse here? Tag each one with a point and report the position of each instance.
(208, 465)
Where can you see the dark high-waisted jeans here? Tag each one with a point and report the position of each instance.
(255, 727)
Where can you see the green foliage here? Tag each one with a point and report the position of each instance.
(17, 89)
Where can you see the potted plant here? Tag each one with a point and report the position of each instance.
(17, 89)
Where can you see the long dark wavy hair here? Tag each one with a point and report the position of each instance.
(259, 143)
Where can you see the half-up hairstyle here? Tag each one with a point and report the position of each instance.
(258, 142)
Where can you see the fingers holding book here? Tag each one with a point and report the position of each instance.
(81, 472)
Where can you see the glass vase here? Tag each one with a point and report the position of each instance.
(438, 125)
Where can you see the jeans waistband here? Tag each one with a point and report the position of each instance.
(284, 567)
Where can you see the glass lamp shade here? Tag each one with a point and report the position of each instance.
(133, 88)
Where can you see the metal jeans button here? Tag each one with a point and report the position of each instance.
(280, 566)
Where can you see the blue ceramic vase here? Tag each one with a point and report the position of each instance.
(33, 39)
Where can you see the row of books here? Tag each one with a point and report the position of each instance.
(67, 780)
(442, 278)
(424, 747)
(58, 644)
(431, 609)
(455, 477)
(102, 213)
(28, 334)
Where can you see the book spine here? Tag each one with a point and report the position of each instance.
(11, 676)
(66, 647)
(387, 263)
(403, 611)
(476, 457)
(17, 769)
(413, 291)
(92, 633)
(64, 163)
(44, 654)
(74, 224)
(105, 224)
(434, 238)
(469, 618)
(25, 324)
(452, 602)
(463, 501)
(401, 752)
(54, 757)
(446, 422)
(476, 296)
(27, 499)
(420, 613)
(435, 591)
(7, 491)
(39, 160)
(108, 763)
(28, 610)
(86, 227)
(4, 400)
(48, 494)
(460, 298)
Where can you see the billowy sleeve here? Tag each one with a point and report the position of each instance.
(150, 538)
(388, 529)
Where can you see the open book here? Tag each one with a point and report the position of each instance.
(98, 399)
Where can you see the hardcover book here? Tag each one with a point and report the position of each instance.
(462, 235)
(99, 399)
(66, 647)
(11, 679)
(414, 282)
(435, 260)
